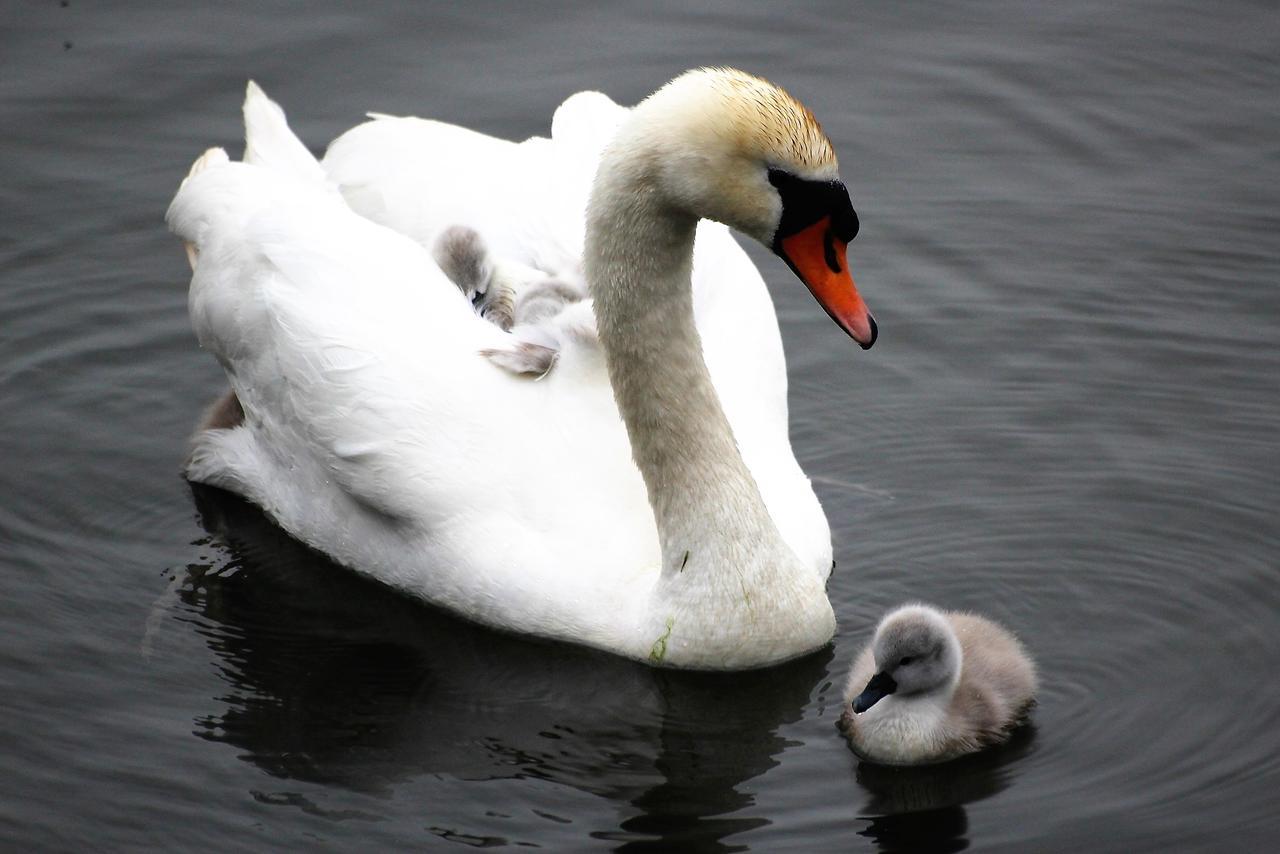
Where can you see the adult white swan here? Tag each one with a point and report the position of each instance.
(367, 425)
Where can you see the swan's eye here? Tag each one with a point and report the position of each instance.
(905, 660)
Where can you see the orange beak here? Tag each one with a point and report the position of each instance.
(818, 257)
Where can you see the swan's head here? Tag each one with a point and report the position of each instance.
(916, 652)
(728, 146)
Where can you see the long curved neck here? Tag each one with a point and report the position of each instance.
(706, 504)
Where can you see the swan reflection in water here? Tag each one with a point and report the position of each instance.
(339, 681)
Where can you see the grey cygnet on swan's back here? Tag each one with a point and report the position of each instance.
(934, 685)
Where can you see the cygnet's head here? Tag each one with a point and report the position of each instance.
(725, 145)
(916, 653)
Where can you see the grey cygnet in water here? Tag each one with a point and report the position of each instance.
(934, 685)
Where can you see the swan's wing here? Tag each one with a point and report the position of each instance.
(316, 312)
(370, 414)
(527, 200)
(421, 177)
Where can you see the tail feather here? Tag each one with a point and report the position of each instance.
(218, 190)
(268, 141)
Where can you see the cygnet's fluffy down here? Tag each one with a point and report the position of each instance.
(518, 299)
(934, 685)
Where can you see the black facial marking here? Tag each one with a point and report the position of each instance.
(805, 202)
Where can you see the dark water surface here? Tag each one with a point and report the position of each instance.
(1071, 215)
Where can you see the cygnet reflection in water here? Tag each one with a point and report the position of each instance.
(922, 808)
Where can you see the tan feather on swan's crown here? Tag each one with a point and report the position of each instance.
(765, 119)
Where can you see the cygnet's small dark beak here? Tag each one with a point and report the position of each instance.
(880, 686)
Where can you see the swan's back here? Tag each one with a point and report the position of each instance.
(373, 428)
(528, 201)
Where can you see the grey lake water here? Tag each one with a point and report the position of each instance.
(1071, 241)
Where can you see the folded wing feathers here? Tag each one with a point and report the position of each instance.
(514, 295)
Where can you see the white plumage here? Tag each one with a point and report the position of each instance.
(375, 432)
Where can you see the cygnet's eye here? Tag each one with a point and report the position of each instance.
(905, 660)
